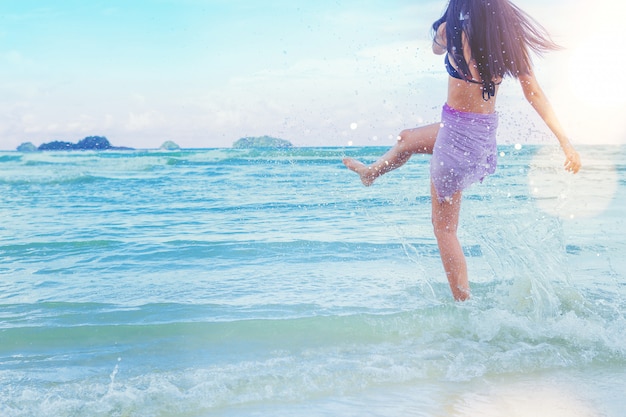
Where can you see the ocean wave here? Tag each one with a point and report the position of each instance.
(580, 328)
(206, 366)
(52, 248)
(7, 158)
(266, 252)
(55, 178)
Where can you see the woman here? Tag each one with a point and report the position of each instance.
(483, 42)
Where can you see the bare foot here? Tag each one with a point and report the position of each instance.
(365, 173)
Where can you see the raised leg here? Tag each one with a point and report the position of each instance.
(445, 217)
(410, 142)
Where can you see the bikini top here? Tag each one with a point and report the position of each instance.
(489, 89)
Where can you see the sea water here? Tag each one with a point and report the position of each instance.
(224, 282)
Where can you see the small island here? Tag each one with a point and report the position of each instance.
(261, 142)
(97, 143)
(27, 147)
(169, 145)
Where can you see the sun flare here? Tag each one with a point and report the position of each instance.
(590, 68)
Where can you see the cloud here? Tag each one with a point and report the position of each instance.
(138, 99)
(14, 58)
(148, 120)
(371, 69)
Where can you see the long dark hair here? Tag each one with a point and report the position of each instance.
(500, 36)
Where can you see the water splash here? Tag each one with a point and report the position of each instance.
(113, 375)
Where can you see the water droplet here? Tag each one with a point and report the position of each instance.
(353, 126)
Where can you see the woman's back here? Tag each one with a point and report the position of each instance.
(485, 40)
(464, 95)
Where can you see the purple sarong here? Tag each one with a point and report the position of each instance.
(464, 152)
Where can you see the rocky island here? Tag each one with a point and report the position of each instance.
(89, 143)
(261, 142)
(168, 145)
(27, 147)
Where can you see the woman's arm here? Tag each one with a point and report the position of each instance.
(440, 45)
(537, 98)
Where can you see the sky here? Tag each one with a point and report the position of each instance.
(204, 73)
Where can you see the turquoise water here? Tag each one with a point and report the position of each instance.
(227, 282)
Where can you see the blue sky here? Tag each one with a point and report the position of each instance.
(204, 73)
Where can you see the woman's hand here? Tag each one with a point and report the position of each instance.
(572, 159)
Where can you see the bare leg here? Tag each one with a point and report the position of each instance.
(410, 142)
(445, 216)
